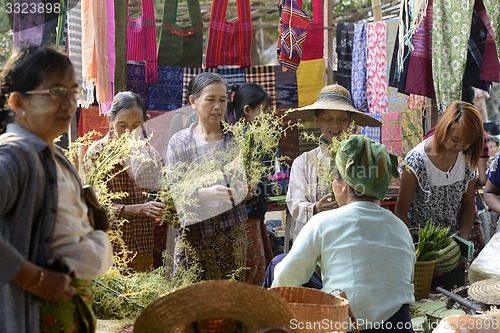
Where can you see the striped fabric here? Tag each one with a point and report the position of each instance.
(345, 39)
(263, 76)
(294, 24)
(136, 80)
(232, 76)
(313, 45)
(358, 79)
(286, 89)
(189, 74)
(166, 95)
(229, 43)
(141, 40)
(75, 42)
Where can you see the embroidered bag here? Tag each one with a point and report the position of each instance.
(229, 42)
(313, 45)
(141, 40)
(181, 45)
(294, 23)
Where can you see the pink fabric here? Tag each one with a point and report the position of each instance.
(415, 102)
(392, 132)
(313, 45)
(376, 69)
(141, 40)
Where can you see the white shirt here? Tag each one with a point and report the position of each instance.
(362, 249)
(303, 189)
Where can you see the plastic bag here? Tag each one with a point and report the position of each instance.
(486, 265)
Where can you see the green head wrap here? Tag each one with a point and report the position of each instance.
(366, 165)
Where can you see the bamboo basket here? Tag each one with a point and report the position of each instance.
(322, 312)
(422, 278)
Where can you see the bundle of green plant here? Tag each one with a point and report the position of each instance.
(327, 172)
(431, 240)
(257, 141)
(124, 296)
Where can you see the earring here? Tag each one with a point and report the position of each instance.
(23, 113)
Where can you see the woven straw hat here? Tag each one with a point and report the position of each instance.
(486, 291)
(211, 301)
(334, 97)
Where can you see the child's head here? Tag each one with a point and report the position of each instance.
(460, 128)
(365, 166)
(493, 145)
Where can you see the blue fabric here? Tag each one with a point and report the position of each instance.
(166, 95)
(359, 75)
(136, 80)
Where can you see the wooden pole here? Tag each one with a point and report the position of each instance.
(328, 38)
(376, 10)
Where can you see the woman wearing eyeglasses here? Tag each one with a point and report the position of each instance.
(49, 250)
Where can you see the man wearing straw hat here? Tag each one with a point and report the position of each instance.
(333, 112)
(362, 248)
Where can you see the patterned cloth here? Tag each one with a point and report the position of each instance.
(294, 23)
(373, 133)
(74, 315)
(141, 40)
(412, 130)
(232, 76)
(392, 136)
(420, 67)
(310, 80)
(345, 38)
(359, 57)
(450, 33)
(286, 88)
(136, 81)
(437, 196)
(220, 256)
(167, 93)
(264, 77)
(376, 68)
(229, 43)
(189, 74)
(137, 233)
(313, 45)
(259, 251)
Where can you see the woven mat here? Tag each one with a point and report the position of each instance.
(486, 291)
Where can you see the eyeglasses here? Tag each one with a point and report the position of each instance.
(58, 94)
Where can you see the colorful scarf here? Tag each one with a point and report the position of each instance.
(358, 80)
(376, 68)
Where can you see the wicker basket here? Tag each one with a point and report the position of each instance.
(422, 278)
(315, 310)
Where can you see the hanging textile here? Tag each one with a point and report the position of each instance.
(397, 101)
(27, 28)
(166, 95)
(415, 102)
(310, 80)
(229, 42)
(110, 33)
(450, 29)
(411, 129)
(286, 88)
(345, 38)
(232, 76)
(62, 27)
(75, 45)
(95, 51)
(420, 68)
(91, 121)
(264, 77)
(358, 80)
(189, 74)
(181, 45)
(294, 23)
(120, 44)
(490, 67)
(493, 10)
(313, 45)
(136, 81)
(50, 22)
(373, 133)
(141, 40)
(392, 136)
(376, 68)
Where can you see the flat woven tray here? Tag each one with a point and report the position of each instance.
(486, 291)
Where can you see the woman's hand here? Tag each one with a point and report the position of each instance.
(220, 193)
(153, 209)
(325, 203)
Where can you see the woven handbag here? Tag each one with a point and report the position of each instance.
(229, 42)
(314, 306)
(313, 45)
(181, 45)
(141, 40)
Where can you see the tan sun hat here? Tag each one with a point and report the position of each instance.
(334, 97)
(486, 291)
(215, 303)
